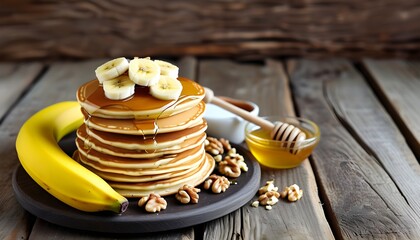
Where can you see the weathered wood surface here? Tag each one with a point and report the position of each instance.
(58, 84)
(243, 29)
(368, 177)
(398, 84)
(47, 231)
(14, 79)
(361, 182)
(268, 87)
(15, 223)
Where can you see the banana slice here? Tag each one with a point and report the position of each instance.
(167, 69)
(167, 88)
(111, 69)
(119, 88)
(144, 71)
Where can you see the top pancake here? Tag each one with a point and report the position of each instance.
(141, 105)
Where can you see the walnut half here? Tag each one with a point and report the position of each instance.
(269, 186)
(269, 198)
(293, 193)
(213, 146)
(153, 203)
(187, 194)
(216, 183)
(229, 168)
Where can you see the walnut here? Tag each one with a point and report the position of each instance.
(225, 143)
(238, 158)
(293, 193)
(268, 195)
(213, 146)
(187, 194)
(217, 183)
(269, 198)
(269, 186)
(229, 168)
(295, 196)
(153, 203)
(235, 157)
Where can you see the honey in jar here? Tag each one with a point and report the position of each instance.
(274, 154)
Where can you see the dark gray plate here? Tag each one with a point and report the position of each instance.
(135, 220)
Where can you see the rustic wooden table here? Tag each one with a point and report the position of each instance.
(362, 181)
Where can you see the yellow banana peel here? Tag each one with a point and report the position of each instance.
(64, 178)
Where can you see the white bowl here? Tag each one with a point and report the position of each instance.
(224, 124)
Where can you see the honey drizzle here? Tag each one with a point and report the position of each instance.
(87, 143)
(180, 100)
(174, 104)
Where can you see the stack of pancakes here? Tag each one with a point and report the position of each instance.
(142, 144)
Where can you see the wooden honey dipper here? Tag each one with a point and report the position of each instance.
(291, 135)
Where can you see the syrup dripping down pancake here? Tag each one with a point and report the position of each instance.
(104, 162)
(147, 142)
(189, 118)
(141, 106)
(143, 144)
(140, 154)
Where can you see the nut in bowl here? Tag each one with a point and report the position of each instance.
(282, 154)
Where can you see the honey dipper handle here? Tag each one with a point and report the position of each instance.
(267, 125)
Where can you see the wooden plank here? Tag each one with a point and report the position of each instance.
(397, 83)
(15, 223)
(14, 79)
(375, 128)
(48, 231)
(59, 83)
(251, 29)
(267, 85)
(361, 161)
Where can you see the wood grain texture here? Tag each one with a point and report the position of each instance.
(59, 84)
(267, 85)
(397, 83)
(48, 231)
(15, 223)
(14, 80)
(360, 160)
(243, 29)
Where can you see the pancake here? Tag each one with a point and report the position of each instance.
(135, 142)
(141, 106)
(166, 187)
(193, 142)
(189, 118)
(103, 161)
(143, 144)
(116, 177)
(127, 174)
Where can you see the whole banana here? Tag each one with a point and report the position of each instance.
(56, 172)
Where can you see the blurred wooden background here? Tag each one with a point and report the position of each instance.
(250, 29)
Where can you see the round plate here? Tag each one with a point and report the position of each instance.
(136, 220)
